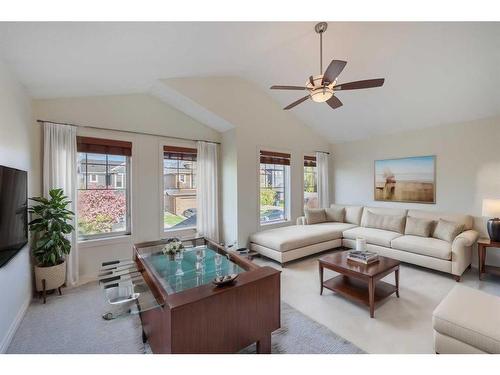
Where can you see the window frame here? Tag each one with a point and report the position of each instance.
(178, 232)
(287, 180)
(128, 215)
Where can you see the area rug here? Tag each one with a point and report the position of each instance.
(72, 323)
(301, 335)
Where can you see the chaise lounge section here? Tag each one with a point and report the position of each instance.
(440, 241)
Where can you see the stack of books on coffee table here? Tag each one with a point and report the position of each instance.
(364, 257)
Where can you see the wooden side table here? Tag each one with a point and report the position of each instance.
(482, 245)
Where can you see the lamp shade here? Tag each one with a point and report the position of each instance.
(491, 208)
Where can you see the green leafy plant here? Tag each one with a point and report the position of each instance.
(50, 228)
(267, 197)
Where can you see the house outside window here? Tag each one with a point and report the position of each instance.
(179, 188)
(103, 187)
(310, 183)
(274, 187)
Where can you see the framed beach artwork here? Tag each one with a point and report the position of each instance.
(411, 179)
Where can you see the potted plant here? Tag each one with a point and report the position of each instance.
(173, 246)
(50, 229)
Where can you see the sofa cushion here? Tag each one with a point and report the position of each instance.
(352, 213)
(466, 220)
(470, 316)
(428, 246)
(373, 236)
(447, 230)
(335, 214)
(381, 211)
(297, 236)
(315, 215)
(387, 222)
(418, 227)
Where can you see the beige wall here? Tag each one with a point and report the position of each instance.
(19, 148)
(260, 123)
(141, 113)
(467, 167)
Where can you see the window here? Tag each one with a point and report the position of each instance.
(179, 188)
(274, 177)
(103, 194)
(310, 183)
(119, 180)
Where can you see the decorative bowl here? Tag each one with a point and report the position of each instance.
(225, 280)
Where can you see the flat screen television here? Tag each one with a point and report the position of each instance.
(13, 212)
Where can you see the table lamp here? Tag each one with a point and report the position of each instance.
(491, 208)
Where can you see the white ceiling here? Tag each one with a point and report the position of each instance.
(436, 73)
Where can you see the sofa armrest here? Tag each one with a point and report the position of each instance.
(467, 238)
(461, 251)
(301, 220)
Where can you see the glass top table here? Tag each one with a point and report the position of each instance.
(197, 266)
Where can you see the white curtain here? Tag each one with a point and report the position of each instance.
(323, 185)
(59, 171)
(207, 191)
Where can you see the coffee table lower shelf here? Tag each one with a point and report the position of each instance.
(357, 290)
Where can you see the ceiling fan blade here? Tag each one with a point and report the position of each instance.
(311, 79)
(278, 87)
(333, 71)
(366, 84)
(334, 102)
(297, 102)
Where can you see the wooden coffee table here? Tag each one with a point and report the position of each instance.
(358, 281)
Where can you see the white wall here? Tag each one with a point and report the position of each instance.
(467, 167)
(260, 123)
(136, 112)
(19, 148)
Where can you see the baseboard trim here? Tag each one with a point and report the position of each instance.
(14, 326)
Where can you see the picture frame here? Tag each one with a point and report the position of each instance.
(409, 179)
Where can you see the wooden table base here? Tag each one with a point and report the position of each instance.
(368, 294)
(482, 245)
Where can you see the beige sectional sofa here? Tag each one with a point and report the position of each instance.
(440, 241)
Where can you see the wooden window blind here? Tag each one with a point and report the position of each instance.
(309, 161)
(179, 153)
(103, 146)
(270, 157)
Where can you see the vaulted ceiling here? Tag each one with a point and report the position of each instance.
(436, 73)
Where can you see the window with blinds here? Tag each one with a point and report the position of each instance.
(274, 186)
(310, 183)
(179, 188)
(103, 187)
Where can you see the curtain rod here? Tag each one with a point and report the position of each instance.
(323, 152)
(126, 131)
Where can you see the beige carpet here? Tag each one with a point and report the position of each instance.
(72, 323)
(401, 325)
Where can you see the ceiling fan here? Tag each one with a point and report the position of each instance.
(321, 87)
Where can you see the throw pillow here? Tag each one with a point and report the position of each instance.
(335, 214)
(315, 215)
(386, 222)
(418, 227)
(447, 230)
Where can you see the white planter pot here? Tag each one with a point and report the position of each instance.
(54, 276)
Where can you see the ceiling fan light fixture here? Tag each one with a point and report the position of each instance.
(321, 95)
